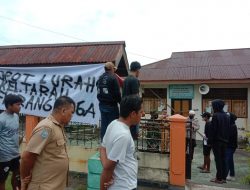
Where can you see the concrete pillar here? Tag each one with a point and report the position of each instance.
(177, 150)
(31, 122)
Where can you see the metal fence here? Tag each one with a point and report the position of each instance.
(21, 127)
(154, 136)
(83, 135)
(77, 134)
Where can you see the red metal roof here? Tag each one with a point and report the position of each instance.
(202, 65)
(73, 53)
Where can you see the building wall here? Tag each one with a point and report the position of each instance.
(152, 166)
(242, 123)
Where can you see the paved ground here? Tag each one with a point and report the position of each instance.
(199, 181)
(202, 180)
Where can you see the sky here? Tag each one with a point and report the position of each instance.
(152, 29)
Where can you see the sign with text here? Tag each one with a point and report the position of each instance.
(181, 91)
(40, 86)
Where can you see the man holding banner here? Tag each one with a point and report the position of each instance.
(108, 94)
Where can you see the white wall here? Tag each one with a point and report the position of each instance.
(197, 104)
(153, 166)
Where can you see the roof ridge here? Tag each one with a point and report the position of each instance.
(157, 62)
(210, 50)
(63, 45)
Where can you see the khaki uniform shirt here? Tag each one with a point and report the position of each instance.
(50, 170)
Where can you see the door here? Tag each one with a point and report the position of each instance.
(181, 106)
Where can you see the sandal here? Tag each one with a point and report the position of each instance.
(216, 181)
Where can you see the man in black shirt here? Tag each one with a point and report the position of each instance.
(131, 86)
(232, 145)
(218, 139)
(108, 94)
(205, 168)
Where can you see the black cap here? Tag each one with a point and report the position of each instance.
(135, 66)
(206, 114)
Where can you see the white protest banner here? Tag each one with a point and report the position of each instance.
(40, 86)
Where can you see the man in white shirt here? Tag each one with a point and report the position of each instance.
(191, 132)
(117, 150)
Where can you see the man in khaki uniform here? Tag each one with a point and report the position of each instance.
(45, 159)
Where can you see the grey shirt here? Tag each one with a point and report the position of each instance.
(9, 128)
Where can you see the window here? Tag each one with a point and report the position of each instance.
(235, 100)
(154, 99)
(239, 107)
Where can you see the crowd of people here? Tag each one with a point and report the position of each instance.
(220, 136)
(117, 151)
(45, 163)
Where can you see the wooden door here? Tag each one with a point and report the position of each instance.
(181, 107)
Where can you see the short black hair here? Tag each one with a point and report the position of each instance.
(129, 104)
(135, 66)
(206, 114)
(63, 101)
(11, 99)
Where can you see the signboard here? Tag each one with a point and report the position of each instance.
(181, 91)
(40, 86)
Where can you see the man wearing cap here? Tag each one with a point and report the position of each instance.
(108, 94)
(131, 86)
(192, 127)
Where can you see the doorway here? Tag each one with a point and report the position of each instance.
(181, 106)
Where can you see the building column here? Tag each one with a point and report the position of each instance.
(177, 150)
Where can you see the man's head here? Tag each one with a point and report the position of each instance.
(164, 111)
(135, 68)
(218, 105)
(110, 67)
(206, 116)
(191, 114)
(13, 103)
(131, 109)
(63, 109)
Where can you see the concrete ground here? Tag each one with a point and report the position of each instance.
(200, 181)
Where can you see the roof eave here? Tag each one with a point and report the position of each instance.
(212, 81)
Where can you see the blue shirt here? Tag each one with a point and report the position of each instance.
(9, 139)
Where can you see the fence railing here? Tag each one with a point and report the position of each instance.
(83, 135)
(21, 127)
(77, 134)
(154, 136)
